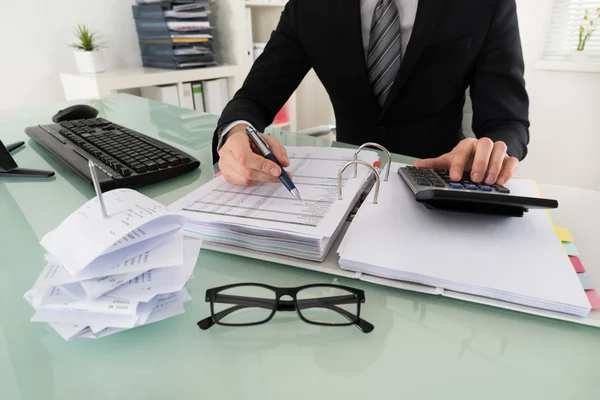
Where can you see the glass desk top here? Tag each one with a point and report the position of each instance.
(422, 346)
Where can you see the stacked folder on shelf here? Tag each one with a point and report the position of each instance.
(175, 34)
(106, 275)
(268, 218)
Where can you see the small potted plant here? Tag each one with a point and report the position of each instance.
(88, 51)
(586, 29)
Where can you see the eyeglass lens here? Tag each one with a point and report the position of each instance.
(243, 305)
(328, 305)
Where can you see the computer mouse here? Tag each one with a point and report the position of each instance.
(79, 111)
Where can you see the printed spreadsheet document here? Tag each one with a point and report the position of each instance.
(271, 206)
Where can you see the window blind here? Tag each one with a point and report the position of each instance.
(563, 33)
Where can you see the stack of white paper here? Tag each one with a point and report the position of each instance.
(105, 275)
(517, 260)
(267, 218)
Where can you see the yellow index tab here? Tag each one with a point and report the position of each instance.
(540, 193)
(564, 235)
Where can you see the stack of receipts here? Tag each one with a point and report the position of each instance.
(267, 218)
(106, 275)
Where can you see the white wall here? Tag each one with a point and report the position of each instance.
(564, 112)
(33, 40)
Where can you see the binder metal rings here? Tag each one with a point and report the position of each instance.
(380, 147)
(355, 163)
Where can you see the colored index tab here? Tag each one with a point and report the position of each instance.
(570, 249)
(564, 235)
(594, 299)
(577, 265)
(586, 281)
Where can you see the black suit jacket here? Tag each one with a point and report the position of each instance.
(454, 44)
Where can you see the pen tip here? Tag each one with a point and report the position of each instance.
(296, 194)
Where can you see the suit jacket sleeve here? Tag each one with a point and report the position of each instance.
(500, 101)
(272, 80)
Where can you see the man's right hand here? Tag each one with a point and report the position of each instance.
(240, 163)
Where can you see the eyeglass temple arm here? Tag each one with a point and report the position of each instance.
(241, 302)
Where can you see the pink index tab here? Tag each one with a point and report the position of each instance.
(577, 265)
(594, 299)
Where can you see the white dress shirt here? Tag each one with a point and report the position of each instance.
(408, 12)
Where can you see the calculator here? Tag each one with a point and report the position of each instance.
(433, 188)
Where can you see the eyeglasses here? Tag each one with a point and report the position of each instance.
(247, 304)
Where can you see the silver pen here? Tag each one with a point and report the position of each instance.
(97, 187)
(262, 146)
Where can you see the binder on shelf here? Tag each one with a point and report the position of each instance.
(215, 95)
(187, 98)
(392, 204)
(198, 96)
(172, 38)
(281, 117)
(249, 35)
(165, 93)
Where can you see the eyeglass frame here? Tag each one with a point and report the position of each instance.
(284, 305)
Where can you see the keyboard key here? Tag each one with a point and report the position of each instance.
(174, 161)
(485, 188)
(470, 186)
(152, 166)
(185, 160)
(162, 163)
(455, 185)
(439, 184)
(125, 172)
(140, 168)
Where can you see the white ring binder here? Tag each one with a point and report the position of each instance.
(380, 147)
(356, 162)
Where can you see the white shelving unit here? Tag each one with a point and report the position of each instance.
(83, 86)
(279, 4)
(232, 42)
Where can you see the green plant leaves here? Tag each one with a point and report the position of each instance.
(86, 40)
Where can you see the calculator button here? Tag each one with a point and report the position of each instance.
(454, 185)
(501, 189)
(470, 186)
(439, 184)
(485, 188)
(422, 182)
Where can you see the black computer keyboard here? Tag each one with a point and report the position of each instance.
(435, 189)
(125, 158)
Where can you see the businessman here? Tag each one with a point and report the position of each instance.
(396, 72)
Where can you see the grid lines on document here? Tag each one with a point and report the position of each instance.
(314, 176)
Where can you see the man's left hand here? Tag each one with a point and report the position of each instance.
(487, 161)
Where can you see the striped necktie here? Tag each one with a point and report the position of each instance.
(385, 53)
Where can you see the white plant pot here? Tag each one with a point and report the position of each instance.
(90, 62)
(578, 56)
